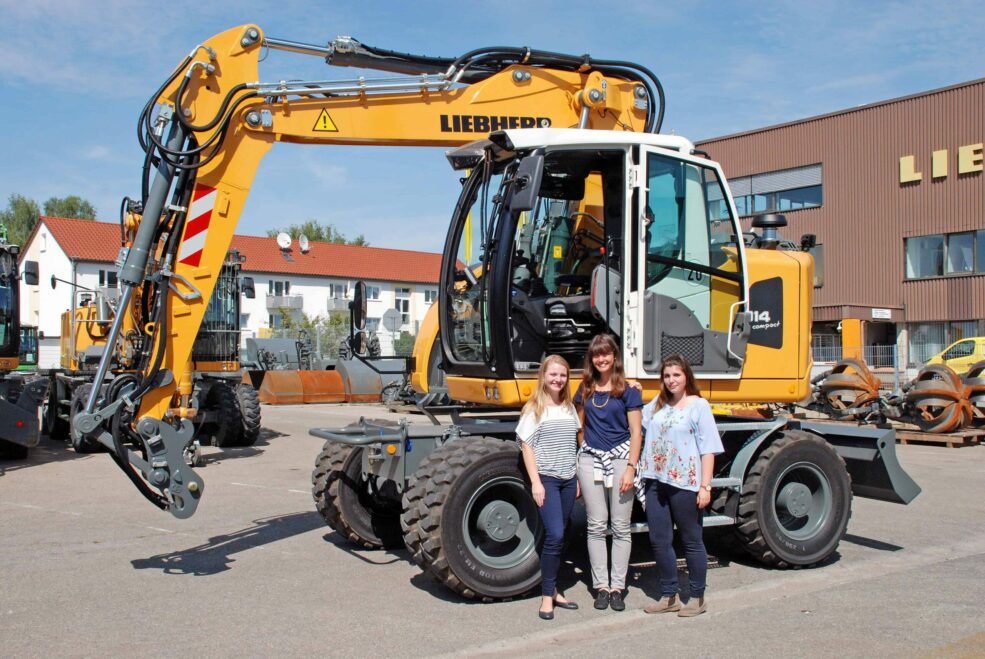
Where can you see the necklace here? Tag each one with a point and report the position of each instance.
(595, 404)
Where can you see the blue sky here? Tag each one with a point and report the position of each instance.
(74, 75)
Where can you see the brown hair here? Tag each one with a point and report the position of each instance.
(690, 386)
(602, 344)
(538, 401)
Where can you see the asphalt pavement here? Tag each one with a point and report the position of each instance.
(89, 568)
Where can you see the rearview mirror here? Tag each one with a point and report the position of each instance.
(526, 188)
(248, 289)
(31, 273)
(358, 306)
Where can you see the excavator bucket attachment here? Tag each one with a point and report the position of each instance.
(870, 457)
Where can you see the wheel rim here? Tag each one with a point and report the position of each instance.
(802, 501)
(501, 524)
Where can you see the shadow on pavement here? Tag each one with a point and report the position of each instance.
(216, 555)
(48, 451)
(870, 543)
(388, 556)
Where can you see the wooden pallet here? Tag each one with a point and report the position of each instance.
(951, 440)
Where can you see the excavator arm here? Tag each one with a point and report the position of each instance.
(204, 133)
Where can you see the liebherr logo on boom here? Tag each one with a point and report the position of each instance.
(480, 123)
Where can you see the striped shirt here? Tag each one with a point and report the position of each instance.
(554, 440)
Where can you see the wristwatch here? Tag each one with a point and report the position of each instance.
(706, 488)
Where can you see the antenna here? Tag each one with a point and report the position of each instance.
(283, 241)
(303, 242)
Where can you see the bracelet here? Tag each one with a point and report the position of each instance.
(630, 464)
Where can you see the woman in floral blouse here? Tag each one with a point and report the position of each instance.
(676, 465)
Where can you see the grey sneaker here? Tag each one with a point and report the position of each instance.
(665, 604)
(694, 607)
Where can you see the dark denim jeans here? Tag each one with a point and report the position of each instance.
(667, 505)
(559, 499)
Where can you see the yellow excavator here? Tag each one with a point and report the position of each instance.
(228, 411)
(576, 217)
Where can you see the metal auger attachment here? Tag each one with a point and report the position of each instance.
(850, 390)
(938, 400)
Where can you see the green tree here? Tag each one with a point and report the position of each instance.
(73, 206)
(19, 218)
(319, 232)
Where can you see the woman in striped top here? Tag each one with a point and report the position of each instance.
(548, 438)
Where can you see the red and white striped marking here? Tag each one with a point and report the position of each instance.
(197, 226)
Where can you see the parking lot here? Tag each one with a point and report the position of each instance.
(87, 567)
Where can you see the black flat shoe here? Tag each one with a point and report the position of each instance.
(616, 600)
(546, 615)
(602, 600)
(571, 606)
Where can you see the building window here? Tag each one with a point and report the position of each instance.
(279, 287)
(945, 254)
(372, 292)
(430, 295)
(783, 190)
(338, 291)
(403, 304)
(372, 324)
(275, 321)
(960, 252)
(980, 251)
(924, 257)
(107, 279)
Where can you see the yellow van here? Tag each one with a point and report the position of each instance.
(962, 354)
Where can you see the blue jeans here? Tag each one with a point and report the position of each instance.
(559, 499)
(667, 505)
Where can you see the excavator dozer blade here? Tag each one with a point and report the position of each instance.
(870, 457)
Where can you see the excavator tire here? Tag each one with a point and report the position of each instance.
(81, 444)
(222, 398)
(249, 408)
(345, 503)
(476, 524)
(54, 426)
(414, 520)
(796, 502)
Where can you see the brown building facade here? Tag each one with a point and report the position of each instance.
(895, 193)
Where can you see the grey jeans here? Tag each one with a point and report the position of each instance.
(606, 507)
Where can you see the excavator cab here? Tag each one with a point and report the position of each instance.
(564, 241)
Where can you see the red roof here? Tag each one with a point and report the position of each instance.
(86, 240)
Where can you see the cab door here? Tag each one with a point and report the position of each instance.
(694, 278)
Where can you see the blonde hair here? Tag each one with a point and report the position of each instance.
(541, 397)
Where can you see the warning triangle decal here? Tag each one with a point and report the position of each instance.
(325, 123)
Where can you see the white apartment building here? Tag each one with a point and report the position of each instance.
(317, 281)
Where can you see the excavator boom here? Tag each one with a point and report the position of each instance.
(205, 132)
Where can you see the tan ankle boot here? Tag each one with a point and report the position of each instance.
(694, 607)
(665, 604)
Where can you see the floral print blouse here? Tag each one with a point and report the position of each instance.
(676, 440)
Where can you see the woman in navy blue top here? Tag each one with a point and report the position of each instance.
(610, 450)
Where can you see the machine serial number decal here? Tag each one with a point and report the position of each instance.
(324, 123)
